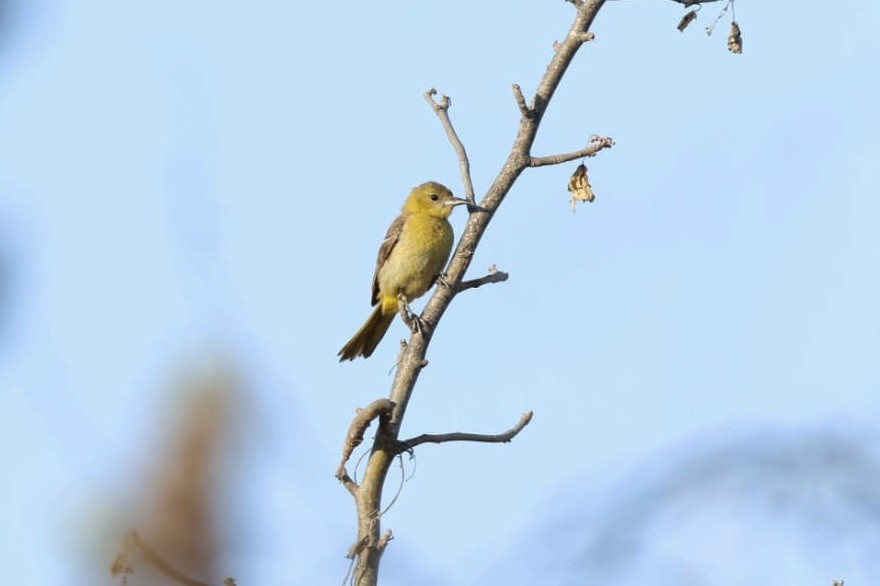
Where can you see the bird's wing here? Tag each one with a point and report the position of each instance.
(391, 238)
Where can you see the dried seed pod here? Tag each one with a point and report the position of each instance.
(579, 186)
(734, 39)
(686, 20)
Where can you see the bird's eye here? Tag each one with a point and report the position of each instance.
(434, 197)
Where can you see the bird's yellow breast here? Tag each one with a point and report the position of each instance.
(418, 257)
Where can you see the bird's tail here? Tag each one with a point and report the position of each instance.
(368, 337)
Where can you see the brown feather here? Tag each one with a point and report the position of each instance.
(391, 238)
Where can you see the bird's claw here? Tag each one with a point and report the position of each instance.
(409, 317)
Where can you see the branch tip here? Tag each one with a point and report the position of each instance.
(498, 438)
(521, 101)
(443, 104)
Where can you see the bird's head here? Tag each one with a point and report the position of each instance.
(431, 198)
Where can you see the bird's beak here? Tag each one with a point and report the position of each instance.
(456, 201)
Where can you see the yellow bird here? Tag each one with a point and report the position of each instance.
(412, 256)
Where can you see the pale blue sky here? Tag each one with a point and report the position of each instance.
(177, 177)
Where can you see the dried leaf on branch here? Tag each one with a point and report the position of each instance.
(580, 188)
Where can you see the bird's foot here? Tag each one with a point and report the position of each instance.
(409, 317)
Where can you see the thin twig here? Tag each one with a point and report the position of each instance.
(711, 27)
(493, 276)
(441, 108)
(468, 437)
(399, 487)
(357, 464)
(348, 573)
(362, 420)
(597, 143)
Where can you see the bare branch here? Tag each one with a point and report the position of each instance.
(521, 101)
(597, 143)
(585, 37)
(493, 276)
(411, 359)
(441, 108)
(458, 436)
(362, 420)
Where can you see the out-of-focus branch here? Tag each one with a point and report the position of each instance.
(497, 438)
(154, 559)
(441, 108)
(177, 529)
(135, 547)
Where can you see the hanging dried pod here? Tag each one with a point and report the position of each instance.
(686, 20)
(579, 186)
(734, 39)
